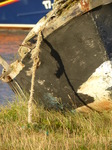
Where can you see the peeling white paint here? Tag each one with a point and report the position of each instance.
(99, 83)
(39, 24)
(13, 70)
(90, 43)
(29, 72)
(16, 68)
(41, 82)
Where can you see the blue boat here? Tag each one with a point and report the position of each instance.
(23, 12)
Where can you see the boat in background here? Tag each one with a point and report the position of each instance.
(23, 13)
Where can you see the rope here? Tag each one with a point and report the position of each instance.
(34, 67)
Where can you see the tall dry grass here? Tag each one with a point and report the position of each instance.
(53, 130)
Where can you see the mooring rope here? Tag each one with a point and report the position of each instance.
(36, 62)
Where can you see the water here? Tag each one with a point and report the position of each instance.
(10, 40)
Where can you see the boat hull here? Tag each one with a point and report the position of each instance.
(69, 56)
(74, 69)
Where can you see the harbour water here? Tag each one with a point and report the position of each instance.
(10, 40)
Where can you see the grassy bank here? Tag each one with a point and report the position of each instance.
(53, 130)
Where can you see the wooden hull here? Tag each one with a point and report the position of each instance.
(75, 63)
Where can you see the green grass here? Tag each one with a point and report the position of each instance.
(53, 130)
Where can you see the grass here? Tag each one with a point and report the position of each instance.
(53, 130)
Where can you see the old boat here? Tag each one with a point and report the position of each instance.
(74, 67)
(23, 13)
